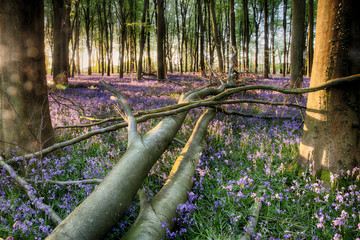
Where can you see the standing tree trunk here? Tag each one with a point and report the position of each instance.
(62, 30)
(297, 43)
(24, 108)
(202, 37)
(88, 20)
(266, 49)
(142, 39)
(310, 39)
(284, 27)
(123, 37)
(246, 33)
(161, 38)
(331, 132)
(217, 41)
(232, 31)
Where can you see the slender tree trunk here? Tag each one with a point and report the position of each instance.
(246, 33)
(330, 141)
(161, 37)
(142, 39)
(202, 41)
(266, 48)
(310, 39)
(62, 30)
(24, 108)
(284, 36)
(273, 38)
(217, 40)
(123, 37)
(232, 31)
(297, 43)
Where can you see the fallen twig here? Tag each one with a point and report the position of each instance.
(30, 192)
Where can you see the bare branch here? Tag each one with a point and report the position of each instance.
(131, 120)
(69, 182)
(30, 192)
(214, 72)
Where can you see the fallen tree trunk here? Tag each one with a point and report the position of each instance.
(104, 207)
(161, 210)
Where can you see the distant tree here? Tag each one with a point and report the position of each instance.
(310, 38)
(331, 132)
(217, 41)
(142, 39)
(88, 14)
(161, 37)
(285, 2)
(62, 32)
(24, 107)
(297, 43)
(266, 38)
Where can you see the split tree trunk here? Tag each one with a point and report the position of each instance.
(331, 131)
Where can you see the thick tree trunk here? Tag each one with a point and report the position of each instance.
(161, 37)
(297, 43)
(217, 41)
(142, 39)
(331, 132)
(24, 109)
(310, 39)
(62, 30)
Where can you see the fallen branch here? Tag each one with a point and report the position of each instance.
(191, 105)
(31, 193)
(69, 182)
(249, 229)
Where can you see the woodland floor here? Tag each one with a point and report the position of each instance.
(247, 160)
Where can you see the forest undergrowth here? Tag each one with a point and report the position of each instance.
(247, 160)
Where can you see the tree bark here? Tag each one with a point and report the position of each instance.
(217, 41)
(62, 31)
(331, 132)
(24, 108)
(161, 37)
(297, 43)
